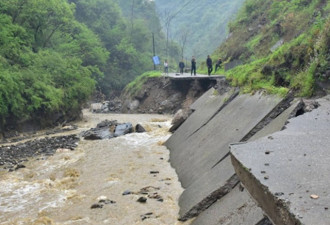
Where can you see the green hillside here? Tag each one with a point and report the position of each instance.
(284, 45)
(55, 53)
(204, 22)
(142, 11)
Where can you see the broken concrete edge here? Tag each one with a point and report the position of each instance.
(300, 105)
(277, 111)
(280, 214)
(236, 207)
(281, 107)
(265, 221)
(211, 198)
(278, 123)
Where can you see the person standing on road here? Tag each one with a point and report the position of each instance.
(181, 66)
(193, 66)
(209, 65)
(218, 65)
(166, 67)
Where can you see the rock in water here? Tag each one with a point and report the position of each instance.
(127, 192)
(139, 128)
(103, 130)
(123, 129)
(97, 206)
(97, 134)
(142, 200)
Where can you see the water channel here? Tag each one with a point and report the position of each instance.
(61, 189)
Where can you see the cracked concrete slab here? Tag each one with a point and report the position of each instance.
(279, 122)
(201, 158)
(235, 208)
(217, 182)
(205, 108)
(197, 154)
(288, 172)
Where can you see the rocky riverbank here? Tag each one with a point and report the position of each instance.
(12, 157)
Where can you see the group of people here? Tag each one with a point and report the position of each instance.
(209, 65)
(193, 66)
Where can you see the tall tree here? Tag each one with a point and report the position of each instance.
(47, 60)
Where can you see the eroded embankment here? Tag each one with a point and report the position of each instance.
(199, 151)
(166, 96)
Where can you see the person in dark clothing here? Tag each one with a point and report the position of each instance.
(181, 66)
(209, 65)
(193, 66)
(218, 65)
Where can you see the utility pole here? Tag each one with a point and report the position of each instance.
(132, 20)
(168, 19)
(183, 40)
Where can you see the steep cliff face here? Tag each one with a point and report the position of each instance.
(164, 95)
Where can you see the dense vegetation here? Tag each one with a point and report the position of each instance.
(144, 12)
(128, 39)
(54, 53)
(45, 60)
(284, 45)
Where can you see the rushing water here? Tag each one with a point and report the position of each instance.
(62, 188)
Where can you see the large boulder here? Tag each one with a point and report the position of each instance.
(103, 130)
(139, 128)
(179, 117)
(122, 129)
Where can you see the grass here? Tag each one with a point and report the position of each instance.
(250, 79)
(253, 42)
(303, 25)
(133, 87)
(304, 81)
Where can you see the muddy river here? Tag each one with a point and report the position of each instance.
(125, 180)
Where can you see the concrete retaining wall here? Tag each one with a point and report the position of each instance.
(199, 151)
(285, 171)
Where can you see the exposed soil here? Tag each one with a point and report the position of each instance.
(166, 96)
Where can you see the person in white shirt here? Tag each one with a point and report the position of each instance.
(166, 67)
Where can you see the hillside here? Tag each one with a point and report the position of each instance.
(283, 45)
(144, 12)
(203, 22)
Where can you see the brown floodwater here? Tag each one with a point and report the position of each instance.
(61, 189)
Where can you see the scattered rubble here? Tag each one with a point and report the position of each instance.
(12, 157)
